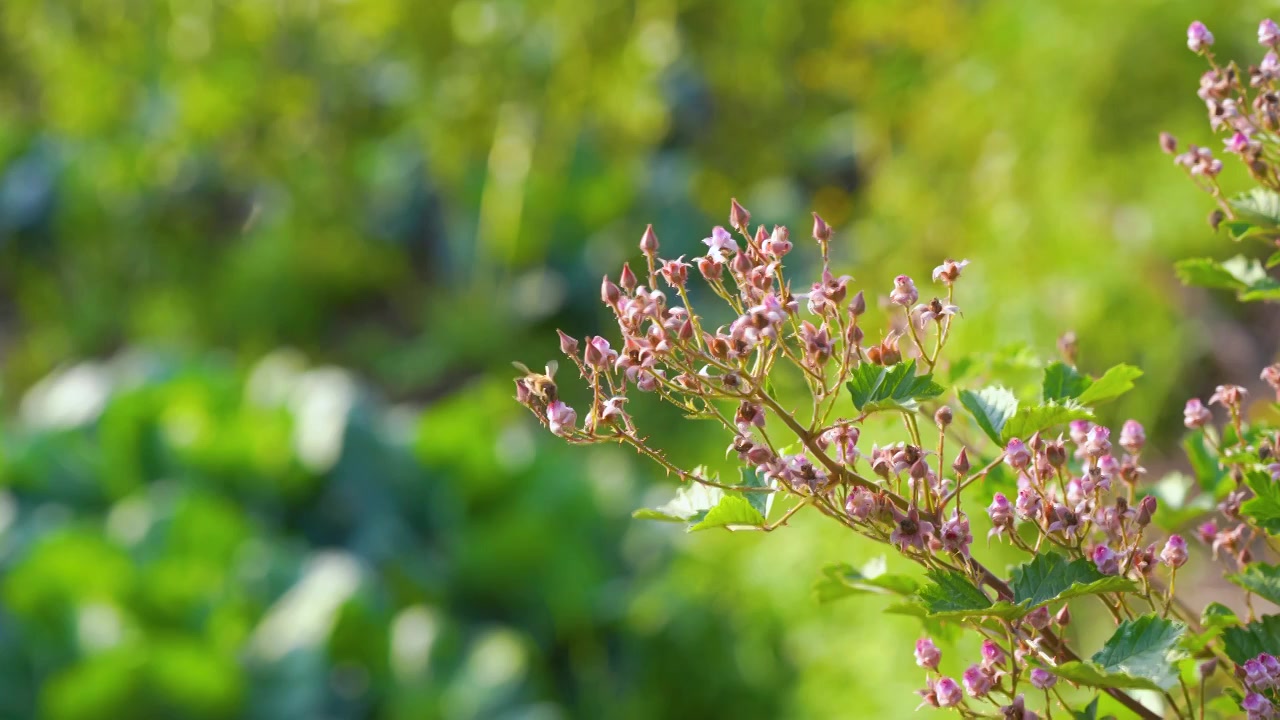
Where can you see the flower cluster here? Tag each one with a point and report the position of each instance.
(1261, 678)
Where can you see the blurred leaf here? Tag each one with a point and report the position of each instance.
(1177, 508)
(1207, 273)
(1062, 382)
(1115, 382)
(1217, 615)
(991, 408)
(1259, 207)
(1204, 463)
(1049, 577)
(1274, 260)
(874, 387)
(1090, 712)
(1260, 579)
(842, 580)
(1030, 420)
(1244, 643)
(733, 512)
(690, 504)
(1244, 275)
(761, 501)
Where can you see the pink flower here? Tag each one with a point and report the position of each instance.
(612, 410)
(1106, 560)
(954, 534)
(1199, 38)
(720, 242)
(927, 654)
(909, 529)
(599, 355)
(948, 692)
(1229, 396)
(992, 654)
(1042, 678)
(779, 243)
(1268, 33)
(1065, 520)
(904, 291)
(1195, 414)
(1079, 430)
(977, 680)
(1028, 504)
(1001, 514)
(860, 504)
(1017, 454)
(675, 272)
(1132, 437)
(1097, 442)
(949, 271)
(1257, 706)
(561, 418)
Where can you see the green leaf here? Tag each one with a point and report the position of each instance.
(1264, 507)
(1029, 420)
(761, 501)
(1204, 463)
(690, 504)
(1082, 673)
(1090, 712)
(1260, 579)
(991, 408)
(1217, 615)
(1260, 208)
(842, 580)
(1244, 643)
(733, 512)
(1050, 577)
(952, 595)
(1274, 260)
(1063, 382)
(1206, 273)
(1113, 383)
(1145, 649)
(897, 387)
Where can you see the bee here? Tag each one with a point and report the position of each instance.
(535, 385)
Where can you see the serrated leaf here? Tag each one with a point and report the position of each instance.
(1030, 420)
(991, 408)
(1245, 275)
(842, 580)
(1260, 579)
(1051, 577)
(689, 505)
(733, 512)
(1245, 643)
(1082, 673)
(1062, 382)
(1145, 649)
(1115, 382)
(897, 387)
(1264, 507)
(952, 595)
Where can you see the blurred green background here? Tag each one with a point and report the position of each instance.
(264, 265)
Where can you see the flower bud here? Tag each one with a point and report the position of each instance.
(1199, 38)
(710, 269)
(1195, 414)
(1208, 667)
(943, 416)
(1016, 454)
(649, 241)
(1056, 452)
(741, 264)
(992, 654)
(858, 305)
(1063, 617)
(1146, 508)
(739, 218)
(1168, 143)
(1039, 618)
(977, 681)
(821, 231)
(904, 291)
(947, 692)
(1215, 218)
(628, 279)
(1107, 562)
(1174, 553)
(1268, 33)
(568, 345)
(927, 654)
(961, 464)
(1132, 437)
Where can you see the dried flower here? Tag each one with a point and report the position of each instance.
(1043, 679)
(1195, 414)
(910, 530)
(1228, 396)
(1107, 562)
(949, 271)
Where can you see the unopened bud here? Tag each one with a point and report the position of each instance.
(1056, 452)
(739, 218)
(821, 231)
(1063, 617)
(858, 304)
(649, 241)
(628, 279)
(1168, 143)
(741, 264)
(568, 345)
(1215, 218)
(609, 293)
(1208, 667)
(1146, 508)
(943, 416)
(919, 469)
(686, 330)
(710, 269)
(961, 464)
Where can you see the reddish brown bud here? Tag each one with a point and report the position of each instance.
(1063, 617)
(1168, 143)
(821, 231)
(628, 279)
(943, 416)
(568, 345)
(710, 269)
(686, 330)
(649, 241)
(609, 293)
(858, 304)
(1215, 219)
(739, 218)
(961, 465)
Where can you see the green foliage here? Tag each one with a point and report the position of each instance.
(1257, 212)
(996, 410)
(1204, 463)
(1217, 615)
(1115, 382)
(1178, 505)
(874, 387)
(1049, 577)
(1141, 654)
(1264, 507)
(1253, 639)
(733, 512)
(1244, 275)
(951, 594)
(842, 580)
(1260, 579)
(704, 507)
(1063, 382)
(690, 504)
